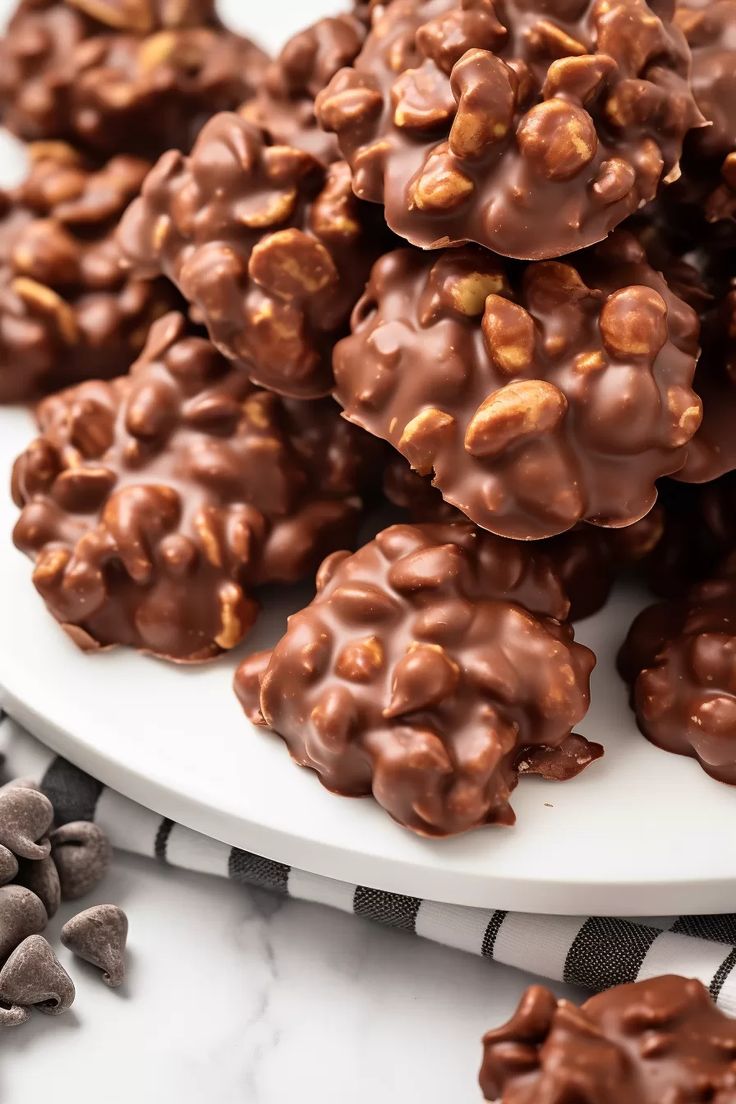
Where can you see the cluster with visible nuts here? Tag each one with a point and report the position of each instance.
(530, 128)
(68, 311)
(538, 398)
(121, 76)
(709, 162)
(41, 866)
(283, 106)
(421, 675)
(657, 1040)
(680, 660)
(270, 247)
(153, 505)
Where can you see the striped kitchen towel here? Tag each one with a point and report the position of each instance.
(592, 952)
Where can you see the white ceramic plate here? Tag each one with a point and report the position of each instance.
(642, 832)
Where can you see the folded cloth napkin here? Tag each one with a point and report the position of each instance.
(592, 952)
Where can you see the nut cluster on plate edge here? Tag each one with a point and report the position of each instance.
(467, 260)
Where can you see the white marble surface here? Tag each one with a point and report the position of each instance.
(237, 997)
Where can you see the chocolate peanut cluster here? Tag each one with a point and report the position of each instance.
(679, 659)
(710, 153)
(270, 248)
(68, 311)
(649, 1042)
(428, 672)
(121, 76)
(283, 105)
(154, 504)
(531, 128)
(44, 863)
(538, 396)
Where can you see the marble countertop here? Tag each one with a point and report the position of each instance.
(237, 997)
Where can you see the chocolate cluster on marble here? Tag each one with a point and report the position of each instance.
(283, 105)
(270, 247)
(531, 128)
(153, 505)
(68, 310)
(709, 161)
(122, 76)
(650, 1042)
(680, 660)
(428, 672)
(538, 395)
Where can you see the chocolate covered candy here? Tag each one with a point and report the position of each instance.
(679, 659)
(650, 1042)
(283, 105)
(268, 246)
(154, 504)
(533, 129)
(538, 398)
(121, 76)
(67, 309)
(419, 674)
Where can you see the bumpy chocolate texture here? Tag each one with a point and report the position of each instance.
(284, 104)
(660, 1041)
(68, 311)
(709, 162)
(531, 128)
(419, 674)
(679, 657)
(121, 76)
(539, 398)
(153, 505)
(267, 245)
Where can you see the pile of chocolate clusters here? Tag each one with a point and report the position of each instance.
(474, 258)
(471, 257)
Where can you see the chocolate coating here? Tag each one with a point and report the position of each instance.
(651, 1042)
(531, 128)
(419, 674)
(679, 658)
(121, 76)
(283, 106)
(68, 311)
(268, 246)
(538, 397)
(154, 504)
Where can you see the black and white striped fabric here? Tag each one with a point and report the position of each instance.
(592, 952)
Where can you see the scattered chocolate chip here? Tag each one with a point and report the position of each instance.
(25, 818)
(8, 865)
(21, 914)
(34, 977)
(81, 852)
(42, 878)
(98, 935)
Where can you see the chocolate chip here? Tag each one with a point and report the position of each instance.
(8, 865)
(98, 935)
(21, 914)
(25, 817)
(42, 878)
(81, 852)
(34, 977)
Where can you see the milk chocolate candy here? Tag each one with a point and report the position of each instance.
(271, 249)
(121, 76)
(33, 977)
(419, 674)
(709, 161)
(650, 1042)
(538, 397)
(98, 935)
(153, 505)
(679, 659)
(67, 309)
(283, 105)
(531, 128)
(25, 818)
(81, 853)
